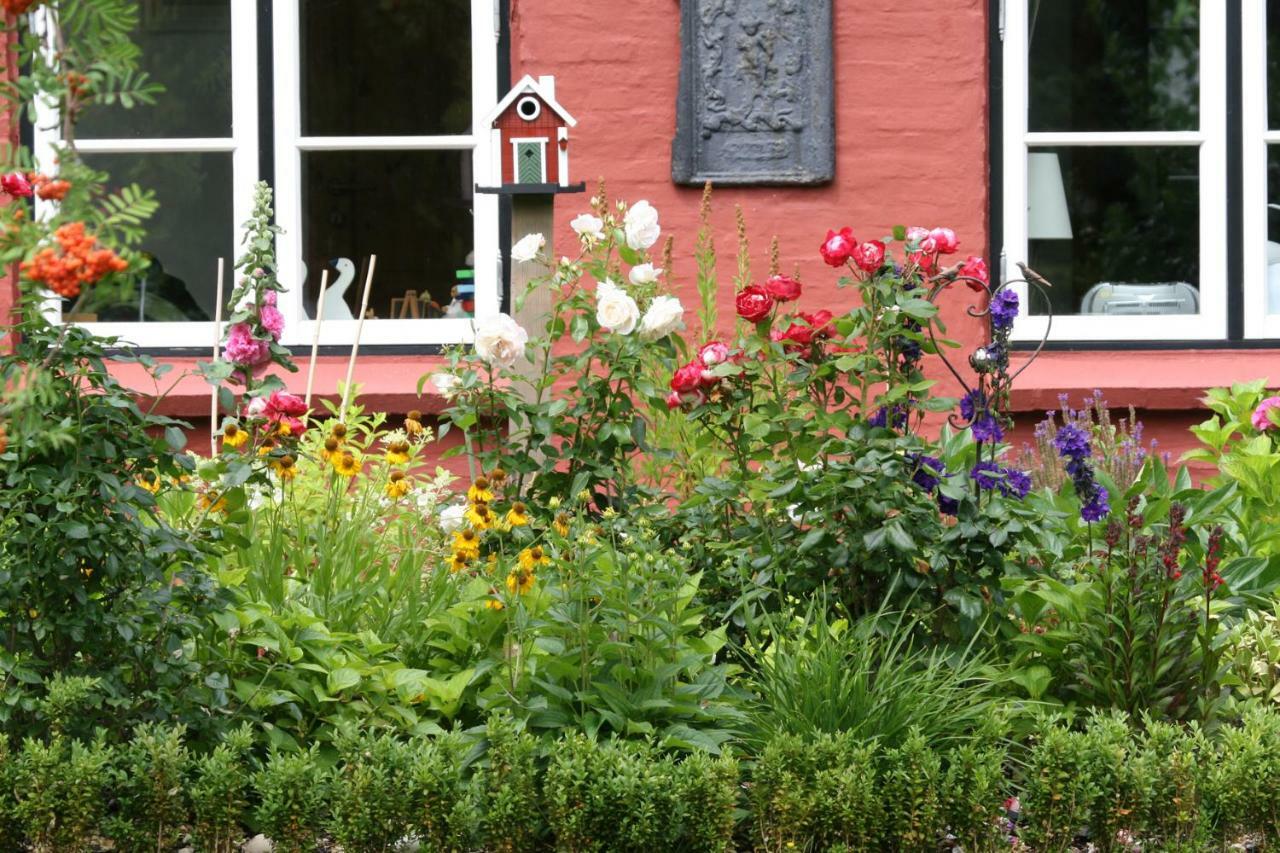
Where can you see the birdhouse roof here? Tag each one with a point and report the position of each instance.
(529, 85)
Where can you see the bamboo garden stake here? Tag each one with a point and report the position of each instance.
(217, 342)
(355, 345)
(315, 337)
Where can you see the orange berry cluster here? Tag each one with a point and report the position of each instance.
(50, 189)
(79, 263)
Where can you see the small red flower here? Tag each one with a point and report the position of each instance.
(975, 267)
(754, 303)
(782, 288)
(944, 240)
(687, 379)
(869, 256)
(16, 184)
(838, 246)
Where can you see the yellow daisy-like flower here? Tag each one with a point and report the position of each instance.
(497, 476)
(479, 491)
(398, 453)
(266, 447)
(397, 486)
(413, 423)
(467, 543)
(561, 524)
(330, 448)
(339, 433)
(531, 558)
(458, 563)
(494, 604)
(286, 467)
(520, 581)
(346, 463)
(233, 436)
(205, 502)
(480, 516)
(518, 515)
(150, 483)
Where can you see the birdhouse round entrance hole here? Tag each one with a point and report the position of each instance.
(528, 108)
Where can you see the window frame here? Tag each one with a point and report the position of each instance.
(249, 148)
(1257, 140)
(1211, 139)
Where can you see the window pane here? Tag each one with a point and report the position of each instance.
(187, 235)
(1273, 230)
(186, 47)
(1273, 64)
(1097, 65)
(410, 208)
(1115, 230)
(386, 69)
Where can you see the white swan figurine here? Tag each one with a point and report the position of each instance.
(335, 306)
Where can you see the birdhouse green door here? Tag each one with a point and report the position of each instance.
(531, 161)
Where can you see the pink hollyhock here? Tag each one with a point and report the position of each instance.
(754, 303)
(944, 240)
(687, 379)
(244, 349)
(869, 256)
(975, 267)
(1261, 418)
(16, 185)
(838, 246)
(270, 316)
(782, 288)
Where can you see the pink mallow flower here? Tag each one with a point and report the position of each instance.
(272, 319)
(244, 349)
(1261, 420)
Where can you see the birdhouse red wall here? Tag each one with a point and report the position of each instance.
(546, 126)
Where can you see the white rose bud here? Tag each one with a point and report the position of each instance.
(446, 383)
(500, 340)
(588, 227)
(615, 309)
(665, 316)
(451, 518)
(645, 274)
(528, 248)
(641, 225)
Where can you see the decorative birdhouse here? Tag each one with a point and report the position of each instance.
(531, 139)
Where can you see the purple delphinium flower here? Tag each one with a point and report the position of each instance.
(928, 471)
(1072, 443)
(894, 417)
(1096, 507)
(948, 506)
(974, 409)
(1004, 308)
(1010, 482)
(987, 475)
(1017, 483)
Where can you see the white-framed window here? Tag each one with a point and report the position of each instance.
(1260, 57)
(1114, 165)
(372, 117)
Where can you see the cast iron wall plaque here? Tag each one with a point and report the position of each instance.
(755, 102)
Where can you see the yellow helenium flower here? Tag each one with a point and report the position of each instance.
(285, 467)
(413, 423)
(330, 448)
(151, 483)
(531, 558)
(494, 604)
(205, 502)
(339, 433)
(458, 563)
(467, 543)
(346, 463)
(561, 524)
(518, 515)
(479, 491)
(480, 516)
(398, 453)
(498, 476)
(233, 436)
(266, 447)
(520, 581)
(397, 486)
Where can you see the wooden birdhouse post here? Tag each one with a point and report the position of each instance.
(531, 155)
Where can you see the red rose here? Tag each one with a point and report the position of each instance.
(783, 288)
(754, 303)
(673, 400)
(944, 240)
(869, 256)
(975, 267)
(805, 328)
(282, 403)
(838, 246)
(687, 379)
(819, 322)
(16, 185)
(927, 262)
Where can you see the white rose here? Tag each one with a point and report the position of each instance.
(500, 340)
(645, 274)
(615, 309)
(665, 315)
(641, 225)
(451, 518)
(446, 383)
(588, 226)
(528, 248)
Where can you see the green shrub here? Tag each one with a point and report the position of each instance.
(60, 792)
(10, 826)
(1057, 792)
(973, 789)
(446, 817)
(372, 807)
(910, 785)
(707, 791)
(1171, 761)
(150, 786)
(219, 793)
(1240, 789)
(510, 807)
(291, 791)
(1118, 788)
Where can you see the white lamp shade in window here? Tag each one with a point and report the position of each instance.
(1047, 216)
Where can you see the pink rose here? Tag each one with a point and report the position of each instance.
(927, 262)
(869, 256)
(975, 267)
(713, 353)
(944, 241)
(782, 288)
(16, 185)
(916, 234)
(837, 247)
(754, 303)
(243, 348)
(673, 400)
(284, 403)
(1261, 420)
(687, 379)
(270, 316)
